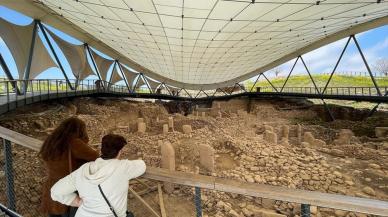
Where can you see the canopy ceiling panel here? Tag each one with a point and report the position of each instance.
(153, 84)
(115, 76)
(18, 39)
(140, 81)
(76, 56)
(205, 44)
(103, 64)
(129, 76)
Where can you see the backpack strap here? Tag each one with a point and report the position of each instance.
(107, 201)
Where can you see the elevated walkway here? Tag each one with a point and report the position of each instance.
(43, 90)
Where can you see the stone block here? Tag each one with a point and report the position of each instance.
(206, 157)
(270, 213)
(344, 137)
(165, 128)
(140, 120)
(186, 129)
(308, 137)
(203, 114)
(242, 113)
(381, 132)
(270, 137)
(319, 143)
(269, 128)
(305, 144)
(267, 203)
(141, 127)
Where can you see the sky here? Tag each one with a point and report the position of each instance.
(374, 44)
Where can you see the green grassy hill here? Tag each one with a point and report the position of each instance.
(320, 80)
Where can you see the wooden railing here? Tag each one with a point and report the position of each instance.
(348, 203)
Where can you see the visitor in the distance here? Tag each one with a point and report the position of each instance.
(64, 151)
(100, 184)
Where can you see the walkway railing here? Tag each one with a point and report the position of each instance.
(13, 140)
(17, 93)
(345, 91)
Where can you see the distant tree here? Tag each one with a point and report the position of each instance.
(381, 66)
(278, 70)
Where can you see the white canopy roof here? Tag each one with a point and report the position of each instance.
(207, 43)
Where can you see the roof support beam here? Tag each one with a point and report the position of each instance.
(8, 74)
(366, 65)
(29, 61)
(122, 73)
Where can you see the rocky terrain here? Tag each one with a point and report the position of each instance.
(276, 143)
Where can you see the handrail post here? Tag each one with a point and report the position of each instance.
(48, 89)
(198, 202)
(56, 84)
(7, 88)
(305, 210)
(8, 167)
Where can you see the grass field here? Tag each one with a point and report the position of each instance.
(320, 80)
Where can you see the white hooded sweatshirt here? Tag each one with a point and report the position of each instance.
(113, 175)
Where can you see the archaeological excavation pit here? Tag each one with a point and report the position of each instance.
(269, 145)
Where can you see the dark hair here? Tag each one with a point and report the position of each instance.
(59, 141)
(111, 146)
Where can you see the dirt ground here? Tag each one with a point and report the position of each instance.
(236, 131)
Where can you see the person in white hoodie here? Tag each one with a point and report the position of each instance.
(108, 171)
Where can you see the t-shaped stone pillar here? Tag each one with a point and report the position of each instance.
(141, 127)
(171, 123)
(206, 157)
(167, 161)
(165, 128)
(270, 137)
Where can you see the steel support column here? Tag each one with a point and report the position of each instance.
(187, 93)
(137, 81)
(29, 61)
(111, 75)
(336, 65)
(366, 65)
(122, 73)
(305, 210)
(8, 74)
(94, 64)
(374, 109)
(146, 82)
(42, 28)
(318, 92)
(308, 72)
(242, 88)
(253, 86)
(198, 202)
(289, 74)
(270, 83)
(168, 89)
(8, 170)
